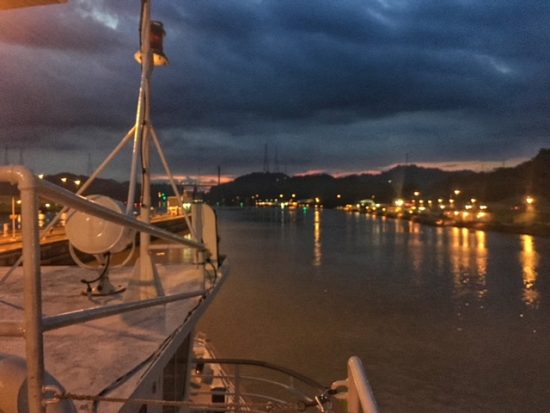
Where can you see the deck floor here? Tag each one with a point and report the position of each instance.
(86, 358)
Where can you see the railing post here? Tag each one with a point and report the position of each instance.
(360, 397)
(32, 294)
(237, 400)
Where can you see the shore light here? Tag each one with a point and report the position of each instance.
(529, 200)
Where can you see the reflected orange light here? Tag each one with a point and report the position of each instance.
(317, 252)
(529, 261)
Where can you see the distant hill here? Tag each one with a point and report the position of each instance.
(502, 185)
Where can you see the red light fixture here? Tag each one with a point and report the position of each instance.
(156, 43)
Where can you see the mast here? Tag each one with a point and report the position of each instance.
(145, 273)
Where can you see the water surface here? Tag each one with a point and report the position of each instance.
(444, 319)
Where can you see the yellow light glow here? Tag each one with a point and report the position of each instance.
(529, 200)
(399, 202)
(457, 191)
(416, 193)
(64, 179)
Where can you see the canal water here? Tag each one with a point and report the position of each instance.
(444, 319)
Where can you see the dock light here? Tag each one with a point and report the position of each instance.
(156, 43)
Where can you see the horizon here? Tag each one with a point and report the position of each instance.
(211, 180)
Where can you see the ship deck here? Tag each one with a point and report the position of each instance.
(88, 357)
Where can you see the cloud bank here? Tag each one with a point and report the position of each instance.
(338, 86)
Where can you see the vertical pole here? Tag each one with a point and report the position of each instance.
(147, 67)
(237, 400)
(143, 99)
(13, 217)
(32, 296)
(145, 282)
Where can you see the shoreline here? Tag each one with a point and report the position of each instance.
(538, 229)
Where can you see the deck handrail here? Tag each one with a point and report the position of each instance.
(360, 398)
(35, 324)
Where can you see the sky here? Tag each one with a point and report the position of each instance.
(340, 86)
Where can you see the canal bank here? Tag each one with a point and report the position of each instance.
(539, 229)
(55, 247)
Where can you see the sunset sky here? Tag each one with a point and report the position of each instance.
(341, 86)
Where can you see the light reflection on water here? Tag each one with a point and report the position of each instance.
(468, 257)
(447, 319)
(317, 251)
(529, 261)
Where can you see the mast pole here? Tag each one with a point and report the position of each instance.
(144, 282)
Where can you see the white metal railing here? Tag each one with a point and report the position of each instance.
(258, 386)
(271, 387)
(360, 398)
(33, 326)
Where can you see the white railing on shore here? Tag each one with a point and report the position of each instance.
(34, 324)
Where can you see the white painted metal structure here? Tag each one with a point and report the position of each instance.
(34, 325)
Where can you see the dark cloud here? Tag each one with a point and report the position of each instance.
(350, 84)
